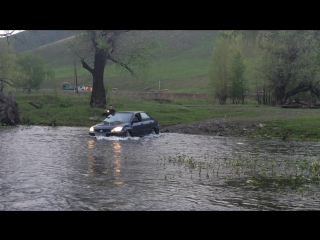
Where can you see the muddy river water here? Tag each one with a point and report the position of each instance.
(65, 169)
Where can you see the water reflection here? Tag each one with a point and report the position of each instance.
(117, 162)
(116, 147)
(109, 161)
(90, 164)
(91, 143)
(62, 168)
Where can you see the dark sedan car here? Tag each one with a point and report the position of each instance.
(126, 124)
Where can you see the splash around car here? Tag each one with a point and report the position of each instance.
(126, 124)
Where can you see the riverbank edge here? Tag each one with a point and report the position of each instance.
(226, 127)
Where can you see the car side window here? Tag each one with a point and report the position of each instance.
(144, 116)
(137, 117)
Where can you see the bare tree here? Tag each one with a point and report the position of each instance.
(7, 33)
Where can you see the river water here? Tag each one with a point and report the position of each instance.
(65, 169)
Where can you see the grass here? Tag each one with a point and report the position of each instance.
(73, 110)
(302, 128)
(179, 76)
(68, 109)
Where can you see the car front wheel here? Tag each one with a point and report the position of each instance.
(127, 133)
(154, 131)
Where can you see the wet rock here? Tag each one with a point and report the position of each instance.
(9, 110)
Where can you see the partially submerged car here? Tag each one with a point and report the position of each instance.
(126, 124)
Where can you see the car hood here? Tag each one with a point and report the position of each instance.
(110, 124)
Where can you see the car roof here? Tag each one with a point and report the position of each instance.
(130, 112)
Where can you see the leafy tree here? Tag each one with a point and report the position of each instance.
(219, 70)
(106, 47)
(34, 71)
(237, 79)
(290, 63)
(227, 68)
(6, 57)
(9, 109)
(4, 66)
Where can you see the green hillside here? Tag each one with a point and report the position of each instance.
(31, 39)
(181, 65)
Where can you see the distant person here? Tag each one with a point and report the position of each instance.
(111, 111)
(10, 96)
(136, 118)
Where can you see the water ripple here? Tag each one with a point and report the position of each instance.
(65, 169)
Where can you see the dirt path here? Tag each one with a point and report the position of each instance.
(238, 126)
(214, 127)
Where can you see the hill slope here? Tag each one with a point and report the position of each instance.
(31, 39)
(181, 65)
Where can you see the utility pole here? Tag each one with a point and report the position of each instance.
(159, 85)
(75, 77)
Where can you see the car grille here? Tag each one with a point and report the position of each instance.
(102, 130)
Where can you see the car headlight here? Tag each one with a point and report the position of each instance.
(91, 129)
(116, 129)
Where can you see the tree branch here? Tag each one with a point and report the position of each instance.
(123, 65)
(86, 66)
(7, 33)
(302, 87)
(31, 103)
(315, 91)
(10, 34)
(2, 80)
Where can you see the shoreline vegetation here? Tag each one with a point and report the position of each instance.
(187, 116)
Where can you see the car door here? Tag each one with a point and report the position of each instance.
(138, 127)
(147, 123)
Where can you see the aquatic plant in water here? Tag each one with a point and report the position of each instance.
(302, 175)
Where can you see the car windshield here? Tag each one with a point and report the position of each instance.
(118, 117)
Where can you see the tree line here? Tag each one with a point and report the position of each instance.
(278, 65)
(24, 71)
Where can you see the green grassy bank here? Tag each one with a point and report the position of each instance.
(74, 110)
(70, 109)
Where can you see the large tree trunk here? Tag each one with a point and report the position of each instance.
(302, 87)
(279, 94)
(9, 110)
(223, 98)
(98, 95)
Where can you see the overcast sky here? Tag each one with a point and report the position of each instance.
(15, 31)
